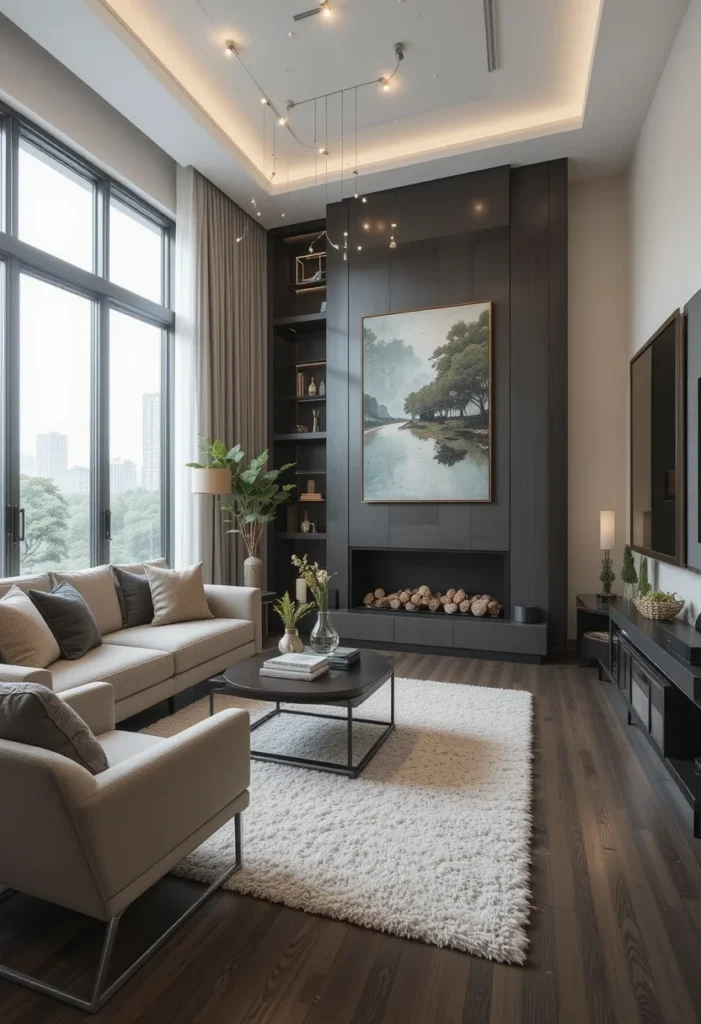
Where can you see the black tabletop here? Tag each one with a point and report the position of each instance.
(244, 680)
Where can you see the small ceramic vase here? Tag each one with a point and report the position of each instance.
(290, 642)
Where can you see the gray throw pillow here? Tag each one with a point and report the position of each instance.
(31, 713)
(67, 615)
(134, 596)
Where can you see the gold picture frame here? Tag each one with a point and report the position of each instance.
(488, 307)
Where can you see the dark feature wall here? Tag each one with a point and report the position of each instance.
(495, 235)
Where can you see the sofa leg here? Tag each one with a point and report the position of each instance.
(100, 993)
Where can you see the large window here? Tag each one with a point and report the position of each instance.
(85, 336)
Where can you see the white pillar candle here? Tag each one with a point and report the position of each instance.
(607, 530)
(301, 591)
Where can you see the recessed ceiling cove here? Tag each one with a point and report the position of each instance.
(442, 99)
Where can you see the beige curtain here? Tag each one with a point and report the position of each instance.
(232, 345)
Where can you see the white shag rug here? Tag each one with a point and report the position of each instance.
(431, 842)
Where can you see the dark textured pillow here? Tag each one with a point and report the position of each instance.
(134, 595)
(33, 714)
(67, 615)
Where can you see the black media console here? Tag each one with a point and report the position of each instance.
(662, 692)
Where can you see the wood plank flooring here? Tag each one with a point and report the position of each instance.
(615, 930)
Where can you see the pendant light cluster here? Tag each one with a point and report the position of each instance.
(282, 120)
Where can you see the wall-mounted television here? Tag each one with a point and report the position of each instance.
(657, 444)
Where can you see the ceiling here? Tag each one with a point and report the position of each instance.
(574, 79)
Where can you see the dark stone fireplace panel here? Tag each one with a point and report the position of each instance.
(477, 572)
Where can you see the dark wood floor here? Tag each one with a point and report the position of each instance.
(615, 930)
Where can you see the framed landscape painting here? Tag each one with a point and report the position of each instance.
(427, 404)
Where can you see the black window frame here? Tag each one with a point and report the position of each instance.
(18, 257)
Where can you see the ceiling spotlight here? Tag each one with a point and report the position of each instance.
(283, 214)
(282, 121)
(392, 243)
(258, 214)
(384, 83)
(253, 201)
(323, 151)
(229, 48)
(345, 234)
(366, 226)
(364, 199)
(264, 99)
(325, 8)
(393, 225)
(356, 195)
(240, 238)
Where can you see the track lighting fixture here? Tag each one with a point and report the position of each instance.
(323, 8)
(264, 100)
(229, 48)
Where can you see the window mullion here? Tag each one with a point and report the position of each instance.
(100, 443)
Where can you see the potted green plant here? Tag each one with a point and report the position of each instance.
(628, 574)
(323, 638)
(291, 612)
(255, 497)
(644, 587)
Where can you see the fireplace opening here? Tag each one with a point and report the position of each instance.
(399, 571)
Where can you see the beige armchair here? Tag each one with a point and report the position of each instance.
(94, 843)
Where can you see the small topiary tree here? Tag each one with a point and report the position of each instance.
(644, 583)
(628, 574)
(607, 575)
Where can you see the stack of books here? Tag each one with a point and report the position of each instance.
(344, 657)
(311, 496)
(306, 667)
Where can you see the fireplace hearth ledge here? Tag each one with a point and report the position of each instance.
(455, 634)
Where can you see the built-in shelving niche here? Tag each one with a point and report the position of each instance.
(298, 406)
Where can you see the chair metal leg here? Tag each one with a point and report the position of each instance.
(100, 993)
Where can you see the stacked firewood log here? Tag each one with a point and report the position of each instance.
(425, 599)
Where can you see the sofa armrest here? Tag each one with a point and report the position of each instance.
(24, 674)
(94, 702)
(144, 807)
(237, 603)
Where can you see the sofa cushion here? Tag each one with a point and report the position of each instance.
(42, 581)
(190, 643)
(120, 745)
(97, 587)
(25, 639)
(134, 595)
(138, 567)
(128, 669)
(32, 714)
(70, 620)
(177, 594)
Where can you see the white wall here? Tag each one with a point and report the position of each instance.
(665, 220)
(34, 82)
(598, 375)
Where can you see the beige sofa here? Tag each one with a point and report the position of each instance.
(146, 664)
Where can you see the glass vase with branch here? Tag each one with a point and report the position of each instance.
(323, 638)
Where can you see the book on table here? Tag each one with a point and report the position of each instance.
(297, 662)
(283, 673)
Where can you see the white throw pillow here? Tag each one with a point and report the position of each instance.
(177, 594)
(25, 639)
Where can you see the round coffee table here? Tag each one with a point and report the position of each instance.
(338, 688)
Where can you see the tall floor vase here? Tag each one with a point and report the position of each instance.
(253, 572)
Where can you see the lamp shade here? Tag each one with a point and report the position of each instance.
(607, 529)
(211, 481)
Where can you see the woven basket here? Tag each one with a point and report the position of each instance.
(665, 610)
